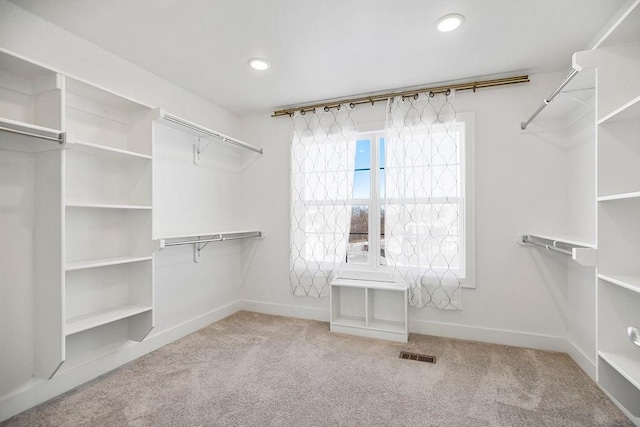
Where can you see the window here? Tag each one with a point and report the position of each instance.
(396, 201)
(431, 184)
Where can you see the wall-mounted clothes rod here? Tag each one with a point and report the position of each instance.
(33, 131)
(200, 242)
(582, 253)
(550, 98)
(203, 131)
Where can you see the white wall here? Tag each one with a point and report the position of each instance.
(188, 295)
(521, 186)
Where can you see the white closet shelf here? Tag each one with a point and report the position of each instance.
(89, 148)
(216, 233)
(569, 240)
(375, 325)
(201, 131)
(350, 321)
(29, 138)
(626, 113)
(386, 326)
(85, 322)
(623, 196)
(370, 284)
(627, 366)
(582, 252)
(104, 262)
(631, 283)
(107, 206)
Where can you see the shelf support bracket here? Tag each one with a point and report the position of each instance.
(585, 256)
(198, 149)
(197, 248)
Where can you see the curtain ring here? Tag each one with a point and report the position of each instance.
(352, 105)
(415, 97)
(326, 109)
(475, 86)
(431, 94)
(447, 92)
(371, 101)
(302, 112)
(403, 97)
(338, 106)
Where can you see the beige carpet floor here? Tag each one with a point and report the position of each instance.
(257, 370)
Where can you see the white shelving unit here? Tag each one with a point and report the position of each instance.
(78, 174)
(108, 200)
(618, 288)
(370, 308)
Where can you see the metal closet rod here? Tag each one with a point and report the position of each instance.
(59, 139)
(371, 99)
(220, 237)
(548, 99)
(552, 247)
(208, 132)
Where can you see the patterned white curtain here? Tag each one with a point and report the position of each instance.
(322, 173)
(424, 218)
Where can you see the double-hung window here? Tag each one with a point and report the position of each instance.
(410, 202)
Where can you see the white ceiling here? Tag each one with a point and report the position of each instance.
(324, 49)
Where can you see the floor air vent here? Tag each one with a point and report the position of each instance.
(418, 357)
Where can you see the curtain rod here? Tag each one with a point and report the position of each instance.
(413, 92)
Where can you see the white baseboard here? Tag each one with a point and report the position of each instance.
(36, 392)
(493, 336)
(581, 359)
(472, 333)
(287, 310)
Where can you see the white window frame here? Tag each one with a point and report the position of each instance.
(373, 268)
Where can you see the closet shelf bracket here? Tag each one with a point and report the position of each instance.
(582, 253)
(201, 241)
(198, 149)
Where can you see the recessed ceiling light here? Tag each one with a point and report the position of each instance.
(259, 64)
(450, 22)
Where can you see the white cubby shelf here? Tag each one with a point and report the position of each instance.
(104, 150)
(628, 367)
(105, 262)
(99, 318)
(107, 206)
(370, 308)
(631, 283)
